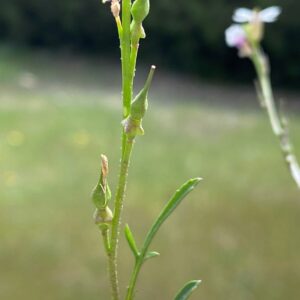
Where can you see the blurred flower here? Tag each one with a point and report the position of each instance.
(235, 36)
(15, 138)
(245, 15)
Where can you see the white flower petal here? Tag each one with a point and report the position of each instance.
(234, 35)
(270, 14)
(242, 15)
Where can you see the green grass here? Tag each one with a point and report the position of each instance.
(238, 231)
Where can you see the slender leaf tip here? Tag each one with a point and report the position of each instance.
(195, 181)
(187, 290)
(131, 241)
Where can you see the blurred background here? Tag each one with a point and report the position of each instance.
(60, 108)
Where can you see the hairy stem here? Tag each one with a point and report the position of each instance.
(126, 145)
(115, 229)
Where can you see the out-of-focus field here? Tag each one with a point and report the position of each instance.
(238, 231)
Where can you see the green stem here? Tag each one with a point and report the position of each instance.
(105, 237)
(141, 258)
(128, 57)
(133, 279)
(124, 36)
(115, 228)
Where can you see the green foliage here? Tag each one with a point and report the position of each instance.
(131, 241)
(186, 35)
(180, 194)
(143, 255)
(187, 290)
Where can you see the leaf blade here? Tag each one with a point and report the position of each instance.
(151, 254)
(187, 290)
(131, 241)
(175, 200)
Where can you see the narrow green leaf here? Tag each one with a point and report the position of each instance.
(179, 195)
(131, 241)
(187, 290)
(151, 254)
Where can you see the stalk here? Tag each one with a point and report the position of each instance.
(126, 148)
(115, 228)
(278, 126)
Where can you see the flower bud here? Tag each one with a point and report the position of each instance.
(115, 8)
(101, 193)
(140, 10)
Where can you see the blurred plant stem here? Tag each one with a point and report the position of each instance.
(278, 123)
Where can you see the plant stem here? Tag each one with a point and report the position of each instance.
(117, 218)
(106, 242)
(126, 144)
(279, 128)
(262, 69)
(133, 279)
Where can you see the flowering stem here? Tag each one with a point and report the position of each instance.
(279, 128)
(127, 144)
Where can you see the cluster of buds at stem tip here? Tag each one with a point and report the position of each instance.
(114, 6)
(139, 11)
(246, 36)
(133, 123)
(101, 195)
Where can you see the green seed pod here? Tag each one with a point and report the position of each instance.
(133, 124)
(140, 103)
(140, 10)
(101, 193)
